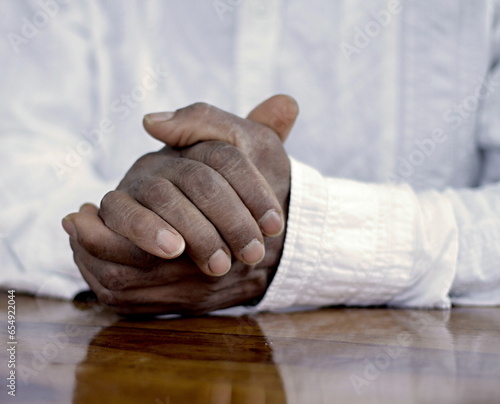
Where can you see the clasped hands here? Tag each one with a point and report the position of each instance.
(197, 226)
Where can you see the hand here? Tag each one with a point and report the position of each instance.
(154, 285)
(133, 281)
(211, 194)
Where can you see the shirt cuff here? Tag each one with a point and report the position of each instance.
(306, 214)
(354, 243)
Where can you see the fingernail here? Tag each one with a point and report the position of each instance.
(253, 252)
(172, 244)
(219, 263)
(69, 227)
(272, 223)
(158, 117)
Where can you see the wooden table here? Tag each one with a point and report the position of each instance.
(69, 353)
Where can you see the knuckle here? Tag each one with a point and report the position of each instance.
(162, 197)
(105, 202)
(200, 180)
(200, 109)
(138, 174)
(264, 134)
(111, 279)
(109, 202)
(139, 226)
(264, 140)
(145, 160)
(244, 177)
(131, 218)
(108, 297)
(260, 188)
(157, 193)
(267, 133)
(267, 149)
(116, 284)
(224, 156)
(204, 178)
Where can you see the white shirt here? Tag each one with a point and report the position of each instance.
(395, 195)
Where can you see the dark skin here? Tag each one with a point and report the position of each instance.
(245, 173)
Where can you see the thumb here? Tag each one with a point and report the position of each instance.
(278, 113)
(200, 122)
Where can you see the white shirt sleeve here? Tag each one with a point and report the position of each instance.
(48, 165)
(355, 243)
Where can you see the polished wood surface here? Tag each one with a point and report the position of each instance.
(69, 353)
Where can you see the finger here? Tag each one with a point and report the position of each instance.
(119, 277)
(89, 208)
(185, 297)
(87, 275)
(203, 207)
(201, 122)
(192, 124)
(158, 205)
(191, 298)
(100, 241)
(120, 304)
(97, 239)
(125, 216)
(245, 179)
(278, 113)
(126, 300)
